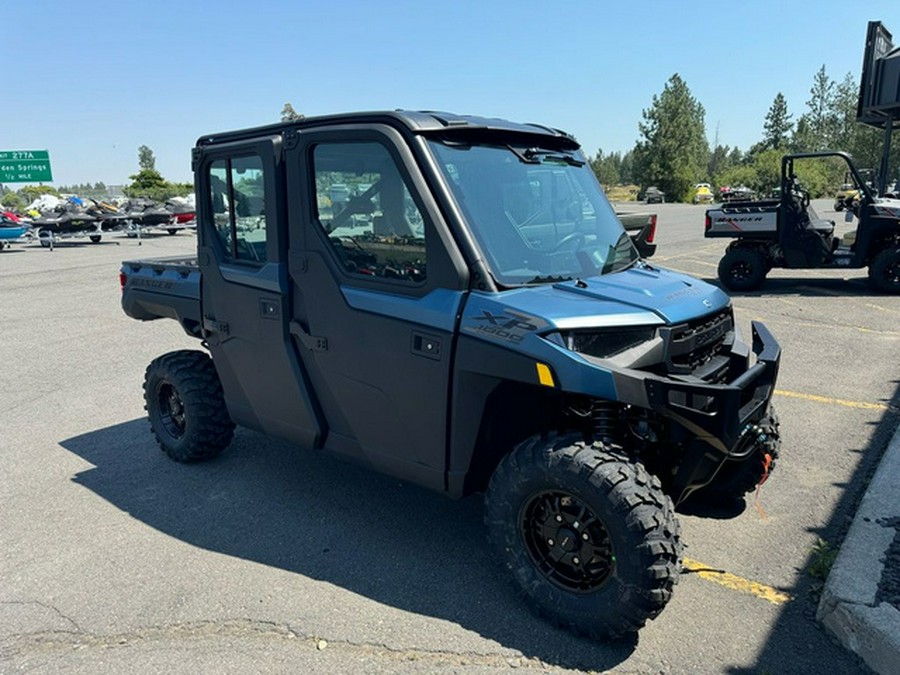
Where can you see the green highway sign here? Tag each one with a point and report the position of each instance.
(25, 166)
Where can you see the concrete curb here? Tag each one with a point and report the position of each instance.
(848, 609)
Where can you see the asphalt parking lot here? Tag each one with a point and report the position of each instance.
(276, 559)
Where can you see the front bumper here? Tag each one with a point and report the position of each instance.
(716, 415)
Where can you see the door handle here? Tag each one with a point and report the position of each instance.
(311, 342)
(212, 326)
(426, 345)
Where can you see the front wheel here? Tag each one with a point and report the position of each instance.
(186, 406)
(743, 269)
(588, 535)
(884, 270)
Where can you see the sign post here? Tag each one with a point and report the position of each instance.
(25, 166)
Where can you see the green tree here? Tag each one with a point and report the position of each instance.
(149, 184)
(147, 179)
(820, 115)
(803, 139)
(674, 152)
(626, 168)
(777, 127)
(146, 160)
(760, 171)
(719, 161)
(863, 142)
(31, 192)
(606, 168)
(12, 200)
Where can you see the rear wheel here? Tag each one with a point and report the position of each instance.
(95, 238)
(884, 270)
(184, 401)
(761, 443)
(589, 537)
(743, 269)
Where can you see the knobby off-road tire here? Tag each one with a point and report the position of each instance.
(184, 401)
(743, 269)
(736, 479)
(588, 535)
(884, 271)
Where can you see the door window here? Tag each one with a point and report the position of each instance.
(367, 211)
(237, 195)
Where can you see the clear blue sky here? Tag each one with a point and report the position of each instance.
(92, 81)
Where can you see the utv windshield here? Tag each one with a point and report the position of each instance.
(538, 215)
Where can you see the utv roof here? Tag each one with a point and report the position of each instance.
(417, 122)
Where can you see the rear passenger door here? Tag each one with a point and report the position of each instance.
(242, 259)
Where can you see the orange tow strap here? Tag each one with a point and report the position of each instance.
(767, 464)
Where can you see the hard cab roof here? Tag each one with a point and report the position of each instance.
(416, 122)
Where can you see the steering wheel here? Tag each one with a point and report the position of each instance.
(569, 238)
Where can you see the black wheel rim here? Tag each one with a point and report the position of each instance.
(171, 410)
(741, 271)
(567, 542)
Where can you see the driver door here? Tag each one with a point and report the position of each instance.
(376, 287)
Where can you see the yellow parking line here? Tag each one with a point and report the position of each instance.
(862, 405)
(823, 324)
(880, 308)
(735, 582)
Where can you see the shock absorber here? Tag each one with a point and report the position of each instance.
(606, 421)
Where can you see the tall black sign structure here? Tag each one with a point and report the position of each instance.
(879, 90)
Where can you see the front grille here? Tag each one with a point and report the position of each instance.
(697, 347)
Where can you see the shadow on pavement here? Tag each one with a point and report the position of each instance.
(778, 648)
(269, 502)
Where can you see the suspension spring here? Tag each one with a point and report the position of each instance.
(606, 420)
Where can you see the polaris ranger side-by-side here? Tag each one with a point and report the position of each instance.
(787, 233)
(465, 313)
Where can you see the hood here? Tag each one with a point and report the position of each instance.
(641, 295)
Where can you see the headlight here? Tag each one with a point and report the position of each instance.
(603, 344)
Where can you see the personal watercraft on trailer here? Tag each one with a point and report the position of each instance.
(67, 220)
(110, 217)
(174, 215)
(12, 229)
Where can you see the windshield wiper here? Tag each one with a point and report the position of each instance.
(549, 279)
(536, 155)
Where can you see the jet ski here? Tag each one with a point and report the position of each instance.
(67, 219)
(173, 215)
(12, 229)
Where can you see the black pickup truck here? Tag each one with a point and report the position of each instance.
(452, 301)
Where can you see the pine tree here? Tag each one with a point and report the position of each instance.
(778, 125)
(674, 152)
(146, 160)
(821, 118)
